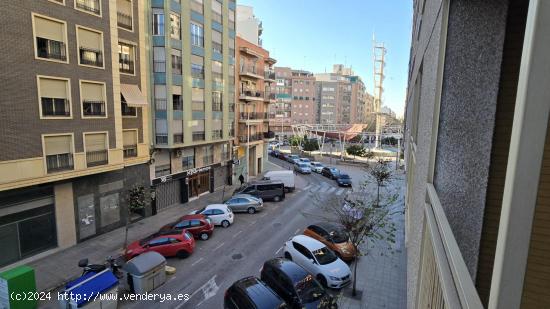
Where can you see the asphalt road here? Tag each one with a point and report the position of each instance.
(240, 250)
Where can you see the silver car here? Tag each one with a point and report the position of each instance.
(245, 203)
(302, 168)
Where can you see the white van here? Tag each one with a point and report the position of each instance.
(286, 177)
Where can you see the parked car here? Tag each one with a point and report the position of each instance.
(343, 180)
(305, 160)
(302, 168)
(330, 172)
(219, 213)
(286, 177)
(264, 189)
(295, 285)
(200, 226)
(168, 243)
(284, 156)
(293, 158)
(334, 237)
(251, 292)
(316, 167)
(318, 260)
(245, 203)
(275, 153)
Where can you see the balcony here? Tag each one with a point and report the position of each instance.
(97, 158)
(89, 56)
(270, 97)
(50, 49)
(217, 134)
(269, 76)
(250, 71)
(91, 6)
(198, 136)
(253, 138)
(130, 151)
(445, 281)
(249, 95)
(252, 117)
(59, 162)
(124, 21)
(93, 108)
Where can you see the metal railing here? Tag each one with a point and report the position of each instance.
(231, 107)
(96, 158)
(130, 151)
(217, 106)
(125, 65)
(124, 20)
(250, 69)
(252, 116)
(445, 281)
(88, 5)
(251, 93)
(59, 162)
(269, 75)
(217, 134)
(93, 108)
(128, 110)
(269, 96)
(161, 139)
(178, 138)
(50, 49)
(198, 136)
(90, 56)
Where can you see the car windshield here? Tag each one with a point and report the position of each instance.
(316, 164)
(200, 210)
(302, 165)
(338, 237)
(309, 289)
(324, 256)
(344, 176)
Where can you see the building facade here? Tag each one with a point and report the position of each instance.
(74, 121)
(477, 155)
(254, 80)
(192, 86)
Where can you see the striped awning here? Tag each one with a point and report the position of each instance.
(132, 95)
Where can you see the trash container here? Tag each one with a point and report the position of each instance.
(145, 272)
(92, 290)
(18, 281)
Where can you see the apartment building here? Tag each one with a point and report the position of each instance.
(192, 79)
(249, 27)
(478, 155)
(254, 80)
(359, 100)
(73, 121)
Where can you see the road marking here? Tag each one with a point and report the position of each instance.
(219, 246)
(209, 289)
(307, 187)
(331, 190)
(253, 222)
(314, 188)
(324, 189)
(209, 283)
(276, 252)
(196, 262)
(296, 231)
(263, 215)
(340, 191)
(235, 235)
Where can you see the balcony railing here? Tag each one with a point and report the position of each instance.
(197, 6)
(250, 69)
(93, 108)
(124, 20)
(88, 5)
(445, 281)
(125, 65)
(251, 93)
(178, 138)
(50, 49)
(198, 136)
(217, 134)
(89, 56)
(217, 106)
(252, 116)
(59, 162)
(130, 151)
(269, 75)
(161, 139)
(96, 158)
(252, 138)
(128, 110)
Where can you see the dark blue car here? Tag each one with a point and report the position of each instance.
(343, 180)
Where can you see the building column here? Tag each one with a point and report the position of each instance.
(65, 215)
(525, 159)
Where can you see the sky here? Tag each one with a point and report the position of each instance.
(315, 34)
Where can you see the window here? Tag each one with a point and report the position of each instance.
(183, 225)
(197, 98)
(50, 39)
(177, 129)
(161, 131)
(225, 152)
(177, 102)
(217, 12)
(162, 170)
(197, 6)
(127, 110)
(198, 130)
(231, 19)
(197, 35)
(58, 152)
(93, 99)
(176, 62)
(175, 28)
(54, 97)
(217, 129)
(159, 242)
(126, 58)
(197, 67)
(90, 47)
(216, 101)
(158, 22)
(217, 72)
(124, 14)
(188, 158)
(217, 46)
(129, 139)
(90, 6)
(96, 149)
(159, 60)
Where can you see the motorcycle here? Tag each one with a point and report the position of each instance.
(113, 263)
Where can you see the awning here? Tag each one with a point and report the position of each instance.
(132, 95)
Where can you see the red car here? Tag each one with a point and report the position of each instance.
(198, 225)
(168, 243)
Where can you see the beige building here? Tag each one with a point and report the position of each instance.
(73, 121)
(478, 155)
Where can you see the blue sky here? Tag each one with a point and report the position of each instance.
(314, 34)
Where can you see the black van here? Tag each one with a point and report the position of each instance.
(251, 292)
(264, 189)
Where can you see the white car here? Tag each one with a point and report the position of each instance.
(318, 260)
(220, 214)
(304, 160)
(317, 167)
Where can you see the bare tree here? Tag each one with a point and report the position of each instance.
(381, 173)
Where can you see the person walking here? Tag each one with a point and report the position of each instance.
(241, 179)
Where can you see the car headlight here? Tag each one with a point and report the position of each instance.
(334, 278)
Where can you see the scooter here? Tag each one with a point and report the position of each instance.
(110, 262)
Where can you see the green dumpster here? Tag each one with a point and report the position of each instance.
(18, 288)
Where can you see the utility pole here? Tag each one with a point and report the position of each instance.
(379, 53)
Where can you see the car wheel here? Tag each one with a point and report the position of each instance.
(204, 236)
(288, 256)
(322, 280)
(182, 254)
(225, 223)
(276, 198)
(251, 210)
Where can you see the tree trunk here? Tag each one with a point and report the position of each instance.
(377, 194)
(354, 290)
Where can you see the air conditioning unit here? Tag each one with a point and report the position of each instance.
(179, 153)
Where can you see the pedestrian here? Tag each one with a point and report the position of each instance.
(241, 179)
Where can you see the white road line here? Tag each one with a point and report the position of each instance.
(207, 284)
(324, 189)
(278, 250)
(235, 235)
(313, 188)
(307, 187)
(219, 246)
(340, 191)
(197, 261)
(296, 231)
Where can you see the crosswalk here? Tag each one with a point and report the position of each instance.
(325, 188)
